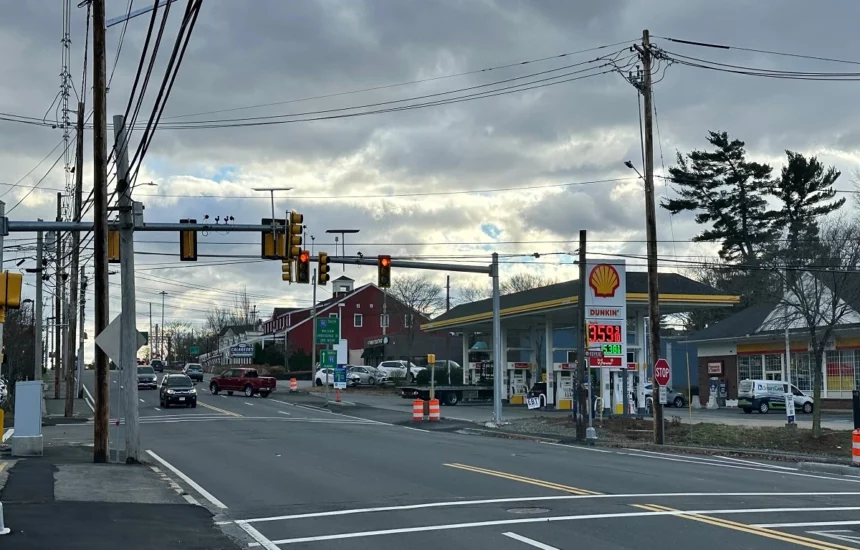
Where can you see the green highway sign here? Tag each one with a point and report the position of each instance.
(328, 358)
(146, 335)
(195, 350)
(328, 330)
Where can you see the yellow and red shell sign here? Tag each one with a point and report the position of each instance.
(604, 281)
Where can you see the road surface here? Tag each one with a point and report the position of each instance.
(278, 473)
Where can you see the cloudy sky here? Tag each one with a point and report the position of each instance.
(519, 173)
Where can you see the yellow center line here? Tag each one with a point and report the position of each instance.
(214, 408)
(742, 527)
(3, 465)
(521, 479)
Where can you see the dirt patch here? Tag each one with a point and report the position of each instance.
(779, 439)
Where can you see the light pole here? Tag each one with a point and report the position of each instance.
(161, 334)
(271, 191)
(343, 233)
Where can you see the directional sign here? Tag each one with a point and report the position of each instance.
(661, 372)
(109, 339)
(340, 378)
(328, 358)
(146, 337)
(195, 350)
(328, 330)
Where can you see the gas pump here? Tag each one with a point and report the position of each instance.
(479, 371)
(516, 382)
(560, 385)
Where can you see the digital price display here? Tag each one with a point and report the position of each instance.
(612, 349)
(604, 334)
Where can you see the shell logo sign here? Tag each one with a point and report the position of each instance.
(604, 281)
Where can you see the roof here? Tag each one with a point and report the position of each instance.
(743, 323)
(237, 329)
(672, 287)
(278, 311)
(343, 278)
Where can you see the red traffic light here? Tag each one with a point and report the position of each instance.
(385, 261)
(304, 257)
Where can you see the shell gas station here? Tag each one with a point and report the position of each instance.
(539, 335)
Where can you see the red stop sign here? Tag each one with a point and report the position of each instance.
(661, 372)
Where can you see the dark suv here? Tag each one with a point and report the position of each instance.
(177, 389)
(157, 365)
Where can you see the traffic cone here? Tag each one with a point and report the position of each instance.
(3, 529)
(337, 396)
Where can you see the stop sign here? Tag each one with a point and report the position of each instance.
(661, 372)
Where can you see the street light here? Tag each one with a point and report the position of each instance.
(629, 164)
(271, 191)
(343, 233)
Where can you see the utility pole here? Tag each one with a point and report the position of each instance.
(83, 304)
(58, 315)
(447, 334)
(161, 342)
(498, 351)
(72, 316)
(100, 234)
(2, 343)
(149, 334)
(40, 273)
(651, 231)
(128, 329)
(582, 370)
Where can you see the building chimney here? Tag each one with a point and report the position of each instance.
(342, 286)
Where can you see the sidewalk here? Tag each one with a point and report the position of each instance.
(63, 500)
(54, 409)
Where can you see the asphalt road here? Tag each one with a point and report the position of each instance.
(281, 474)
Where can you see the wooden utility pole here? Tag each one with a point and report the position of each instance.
(582, 370)
(58, 315)
(72, 316)
(651, 233)
(100, 234)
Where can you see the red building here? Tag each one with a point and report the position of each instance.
(361, 313)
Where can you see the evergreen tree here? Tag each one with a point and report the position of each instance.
(726, 191)
(804, 188)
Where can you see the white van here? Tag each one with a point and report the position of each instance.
(764, 395)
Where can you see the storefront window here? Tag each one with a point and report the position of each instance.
(750, 367)
(802, 372)
(773, 366)
(841, 373)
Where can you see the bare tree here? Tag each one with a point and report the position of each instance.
(415, 299)
(238, 313)
(217, 319)
(469, 293)
(820, 282)
(525, 281)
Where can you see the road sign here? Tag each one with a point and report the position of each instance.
(328, 358)
(328, 330)
(195, 350)
(664, 395)
(242, 350)
(340, 378)
(661, 372)
(109, 339)
(594, 353)
(146, 337)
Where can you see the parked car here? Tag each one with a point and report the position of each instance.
(146, 378)
(357, 375)
(247, 381)
(177, 389)
(324, 377)
(194, 371)
(763, 395)
(157, 365)
(673, 398)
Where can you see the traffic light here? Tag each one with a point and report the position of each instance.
(273, 244)
(383, 264)
(188, 243)
(323, 269)
(287, 270)
(303, 267)
(294, 232)
(113, 247)
(10, 289)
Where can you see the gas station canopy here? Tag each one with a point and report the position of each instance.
(557, 303)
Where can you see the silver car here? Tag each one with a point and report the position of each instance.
(357, 375)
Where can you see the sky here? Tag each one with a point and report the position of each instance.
(518, 173)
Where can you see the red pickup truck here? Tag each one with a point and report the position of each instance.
(247, 381)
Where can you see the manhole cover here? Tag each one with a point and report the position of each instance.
(528, 510)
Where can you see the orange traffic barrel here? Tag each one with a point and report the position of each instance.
(294, 385)
(855, 448)
(434, 410)
(418, 410)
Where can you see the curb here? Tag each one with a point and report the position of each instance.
(833, 469)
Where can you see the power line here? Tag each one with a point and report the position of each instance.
(755, 50)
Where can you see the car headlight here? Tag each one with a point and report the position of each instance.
(171, 392)
(194, 390)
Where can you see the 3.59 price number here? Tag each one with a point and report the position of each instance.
(604, 334)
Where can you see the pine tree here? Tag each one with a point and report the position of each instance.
(727, 192)
(804, 188)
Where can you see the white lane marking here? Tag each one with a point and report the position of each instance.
(203, 492)
(249, 404)
(843, 537)
(530, 542)
(455, 503)
(191, 499)
(7, 434)
(156, 408)
(575, 447)
(712, 460)
(257, 536)
(142, 401)
(520, 521)
(752, 462)
(89, 398)
(282, 412)
(738, 467)
(805, 524)
(414, 429)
